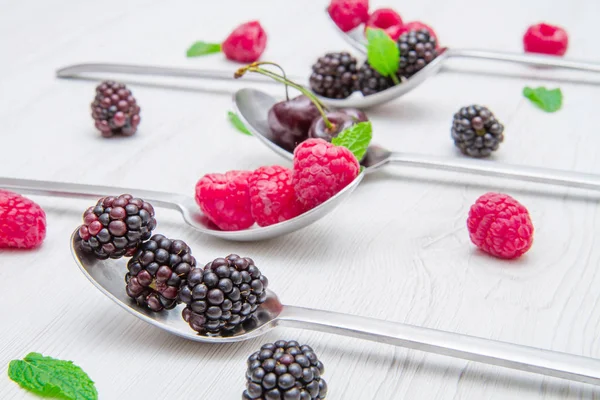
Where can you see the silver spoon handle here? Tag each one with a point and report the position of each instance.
(537, 60)
(76, 70)
(491, 168)
(524, 358)
(77, 190)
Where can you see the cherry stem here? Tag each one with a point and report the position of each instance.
(254, 67)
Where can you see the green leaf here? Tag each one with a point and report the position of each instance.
(203, 48)
(50, 377)
(237, 123)
(383, 53)
(356, 138)
(547, 100)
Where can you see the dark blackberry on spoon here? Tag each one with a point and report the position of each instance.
(334, 75)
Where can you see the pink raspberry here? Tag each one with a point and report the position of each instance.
(348, 14)
(272, 195)
(246, 43)
(22, 222)
(225, 199)
(546, 39)
(321, 170)
(500, 226)
(386, 19)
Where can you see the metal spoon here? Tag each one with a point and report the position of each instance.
(109, 279)
(184, 204)
(252, 106)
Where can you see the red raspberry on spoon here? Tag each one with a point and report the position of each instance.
(245, 44)
(22, 222)
(546, 39)
(348, 14)
(272, 196)
(386, 19)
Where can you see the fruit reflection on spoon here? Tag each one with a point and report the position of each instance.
(253, 107)
(107, 276)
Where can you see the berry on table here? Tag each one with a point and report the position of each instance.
(290, 120)
(115, 226)
(272, 196)
(285, 370)
(476, 132)
(417, 49)
(546, 39)
(157, 270)
(22, 222)
(321, 170)
(386, 19)
(500, 225)
(115, 110)
(223, 294)
(246, 43)
(370, 81)
(415, 26)
(225, 199)
(334, 75)
(348, 14)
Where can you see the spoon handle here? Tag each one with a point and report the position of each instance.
(537, 60)
(77, 190)
(76, 70)
(491, 168)
(509, 355)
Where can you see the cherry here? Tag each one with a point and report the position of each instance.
(546, 39)
(355, 114)
(290, 121)
(339, 120)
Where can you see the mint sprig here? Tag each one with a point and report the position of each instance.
(237, 123)
(547, 100)
(203, 48)
(383, 53)
(50, 377)
(356, 138)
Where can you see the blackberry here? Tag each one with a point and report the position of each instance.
(223, 294)
(115, 226)
(115, 110)
(284, 370)
(157, 270)
(371, 81)
(334, 75)
(476, 132)
(417, 49)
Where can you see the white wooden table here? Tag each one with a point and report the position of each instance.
(397, 250)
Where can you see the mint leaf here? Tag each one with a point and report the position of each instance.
(50, 377)
(237, 123)
(383, 53)
(356, 138)
(203, 48)
(547, 100)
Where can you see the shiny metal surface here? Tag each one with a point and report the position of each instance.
(108, 277)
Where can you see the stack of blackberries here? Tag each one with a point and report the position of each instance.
(337, 75)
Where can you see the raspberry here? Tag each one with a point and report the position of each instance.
(348, 14)
(386, 19)
(22, 222)
(321, 170)
(272, 196)
(246, 43)
(225, 199)
(546, 39)
(415, 26)
(500, 226)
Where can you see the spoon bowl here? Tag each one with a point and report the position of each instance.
(108, 277)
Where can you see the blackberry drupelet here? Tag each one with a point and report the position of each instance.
(115, 110)
(476, 132)
(417, 49)
(115, 226)
(157, 270)
(371, 81)
(334, 75)
(284, 370)
(222, 295)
